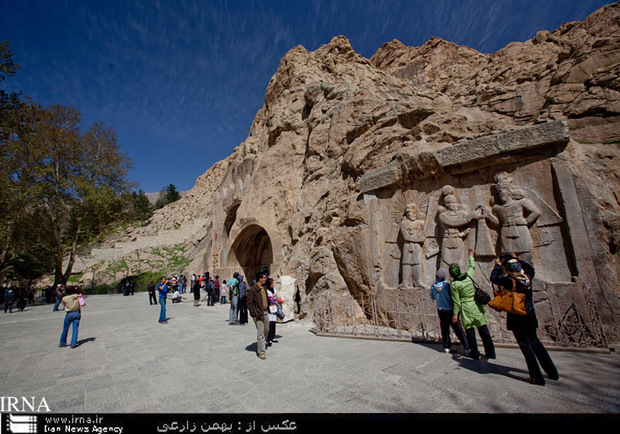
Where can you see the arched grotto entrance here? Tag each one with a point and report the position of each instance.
(251, 251)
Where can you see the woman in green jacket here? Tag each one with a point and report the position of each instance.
(469, 310)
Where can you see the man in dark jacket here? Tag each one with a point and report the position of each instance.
(151, 290)
(258, 305)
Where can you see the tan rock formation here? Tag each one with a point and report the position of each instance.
(343, 141)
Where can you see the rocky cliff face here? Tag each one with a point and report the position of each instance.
(570, 73)
(289, 198)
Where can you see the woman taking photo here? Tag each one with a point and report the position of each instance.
(469, 310)
(512, 274)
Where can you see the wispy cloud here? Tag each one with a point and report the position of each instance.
(180, 81)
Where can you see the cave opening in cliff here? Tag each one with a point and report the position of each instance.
(252, 251)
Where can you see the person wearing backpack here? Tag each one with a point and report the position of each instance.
(209, 297)
(469, 310)
(242, 305)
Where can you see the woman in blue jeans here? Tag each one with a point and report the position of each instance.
(60, 293)
(72, 318)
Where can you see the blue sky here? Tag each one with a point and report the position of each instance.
(180, 81)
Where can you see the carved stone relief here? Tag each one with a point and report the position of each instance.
(411, 214)
(455, 221)
(438, 226)
(494, 201)
(517, 211)
(506, 209)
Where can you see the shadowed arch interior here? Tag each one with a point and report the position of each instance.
(253, 251)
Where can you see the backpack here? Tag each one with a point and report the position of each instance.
(243, 292)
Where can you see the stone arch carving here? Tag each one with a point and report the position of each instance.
(231, 216)
(251, 251)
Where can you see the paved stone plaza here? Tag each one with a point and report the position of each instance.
(128, 363)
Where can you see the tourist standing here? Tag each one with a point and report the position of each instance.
(470, 312)
(258, 305)
(271, 294)
(9, 299)
(174, 283)
(440, 292)
(233, 293)
(210, 289)
(223, 291)
(71, 302)
(517, 275)
(162, 289)
(216, 291)
(151, 290)
(22, 298)
(196, 291)
(201, 280)
(60, 293)
(181, 285)
(242, 305)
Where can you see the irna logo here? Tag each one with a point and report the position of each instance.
(13, 404)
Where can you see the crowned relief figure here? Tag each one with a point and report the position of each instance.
(455, 223)
(514, 215)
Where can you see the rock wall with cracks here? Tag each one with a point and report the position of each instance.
(318, 190)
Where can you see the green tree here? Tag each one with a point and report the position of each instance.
(16, 113)
(172, 195)
(7, 66)
(72, 180)
(59, 185)
(167, 195)
(141, 205)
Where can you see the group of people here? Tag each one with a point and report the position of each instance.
(69, 298)
(459, 310)
(457, 307)
(260, 301)
(263, 304)
(18, 297)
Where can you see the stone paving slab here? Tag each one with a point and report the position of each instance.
(128, 363)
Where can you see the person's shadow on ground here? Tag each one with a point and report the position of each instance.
(80, 342)
(485, 366)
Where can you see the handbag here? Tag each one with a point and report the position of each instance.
(480, 295)
(279, 313)
(508, 300)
